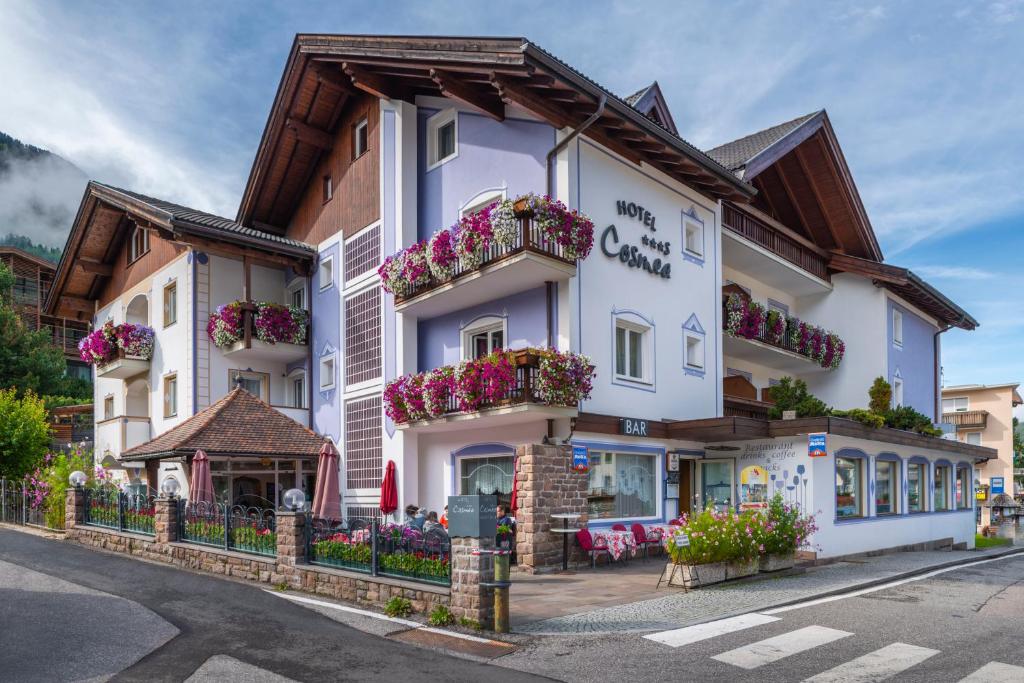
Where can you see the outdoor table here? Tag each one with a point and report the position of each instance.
(662, 531)
(618, 542)
(565, 531)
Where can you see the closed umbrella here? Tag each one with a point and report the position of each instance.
(514, 503)
(389, 490)
(326, 503)
(200, 486)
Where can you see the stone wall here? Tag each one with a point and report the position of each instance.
(545, 485)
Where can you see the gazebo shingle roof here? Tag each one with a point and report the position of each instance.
(238, 424)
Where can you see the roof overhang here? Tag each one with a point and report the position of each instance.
(486, 74)
(186, 453)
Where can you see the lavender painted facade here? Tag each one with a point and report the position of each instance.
(325, 310)
(492, 155)
(440, 339)
(914, 360)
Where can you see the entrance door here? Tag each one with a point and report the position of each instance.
(685, 487)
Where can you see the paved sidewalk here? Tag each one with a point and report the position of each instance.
(679, 609)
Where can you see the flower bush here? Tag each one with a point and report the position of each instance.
(750, 320)
(415, 563)
(563, 379)
(254, 539)
(339, 549)
(198, 529)
(101, 346)
(464, 246)
(272, 324)
(784, 529)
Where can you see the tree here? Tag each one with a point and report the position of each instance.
(790, 394)
(24, 433)
(29, 361)
(880, 396)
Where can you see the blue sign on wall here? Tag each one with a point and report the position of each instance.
(580, 459)
(997, 485)
(817, 445)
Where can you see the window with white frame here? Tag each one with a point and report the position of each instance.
(941, 488)
(958, 404)
(360, 139)
(632, 350)
(963, 487)
(897, 327)
(693, 236)
(138, 245)
(170, 395)
(849, 487)
(297, 294)
(897, 391)
(483, 336)
(622, 485)
(325, 273)
(108, 407)
(327, 372)
(887, 474)
(917, 476)
(297, 390)
(694, 345)
(442, 137)
(256, 383)
(973, 438)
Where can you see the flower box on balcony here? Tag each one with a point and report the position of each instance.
(118, 351)
(508, 247)
(261, 330)
(781, 336)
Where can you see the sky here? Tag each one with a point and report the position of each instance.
(170, 99)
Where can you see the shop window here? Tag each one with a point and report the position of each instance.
(170, 303)
(170, 395)
(887, 475)
(941, 500)
(139, 244)
(753, 487)
(487, 476)
(716, 484)
(256, 383)
(442, 138)
(916, 478)
(849, 488)
(897, 327)
(325, 273)
(631, 350)
(963, 488)
(360, 139)
(959, 404)
(623, 486)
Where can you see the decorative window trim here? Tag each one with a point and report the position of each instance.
(897, 326)
(331, 358)
(778, 306)
(169, 377)
(690, 218)
(482, 199)
(326, 264)
(434, 124)
(478, 325)
(692, 329)
(898, 398)
(638, 322)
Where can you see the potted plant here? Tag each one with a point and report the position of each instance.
(698, 551)
(742, 532)
(782, 532)
(504, 537)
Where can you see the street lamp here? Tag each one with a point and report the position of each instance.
(294, 500)
(170, 487)
(78, 479)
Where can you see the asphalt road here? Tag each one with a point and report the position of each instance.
(69, 613)
(945, 628)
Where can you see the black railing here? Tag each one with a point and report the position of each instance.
(251, 530)
(366, 546)
(18, 505)
(111, 508)
(529, 238)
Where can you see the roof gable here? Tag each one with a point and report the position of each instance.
(650, 102)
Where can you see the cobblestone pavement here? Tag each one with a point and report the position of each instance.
(680, 609)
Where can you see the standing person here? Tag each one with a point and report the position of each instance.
(444, 517)
(503, 517)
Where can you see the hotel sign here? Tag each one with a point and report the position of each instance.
(631, 255)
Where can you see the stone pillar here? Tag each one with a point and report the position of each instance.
(291, 544)
(166, 519)
(74, 507)
(546, 485)
(469, 599)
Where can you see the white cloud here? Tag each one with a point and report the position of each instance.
(954, 272)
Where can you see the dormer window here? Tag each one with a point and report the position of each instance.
(138, 245)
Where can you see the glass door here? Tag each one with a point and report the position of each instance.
(716, 484)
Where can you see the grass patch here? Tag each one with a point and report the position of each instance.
(989, 541)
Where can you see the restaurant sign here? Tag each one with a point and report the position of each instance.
(473, 516)
(630, 426)
(817, 445)
(580, 459)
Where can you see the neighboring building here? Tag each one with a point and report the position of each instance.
(375, 143)
(983, 416)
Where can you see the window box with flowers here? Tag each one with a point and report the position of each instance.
(260, 330)
(513, 244)
(746, 319)
(500, 380)
(118, 351)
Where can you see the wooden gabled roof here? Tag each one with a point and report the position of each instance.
(324, 71)
(803, 181)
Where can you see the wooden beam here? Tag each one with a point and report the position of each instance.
(792, 200)
(451, 86)
(802, 163)
(308, 134)
(77, 304)
(513, 93)
(331, 78)
(94, 266)
(372, 83)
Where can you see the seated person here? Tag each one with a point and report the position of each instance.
(416, 517)
(431, 522)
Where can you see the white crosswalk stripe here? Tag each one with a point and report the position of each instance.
(879, 665)
(996, 671)
(694, 634)
(773, 649)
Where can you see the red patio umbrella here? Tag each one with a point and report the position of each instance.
(514, 503)
(389, 490)
(200, 485)
(326, 502)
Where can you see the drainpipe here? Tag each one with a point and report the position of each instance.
(938, 369)
(569, 138)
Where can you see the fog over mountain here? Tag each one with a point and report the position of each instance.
(39, 192)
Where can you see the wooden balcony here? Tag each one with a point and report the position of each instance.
(522, 403)
(530, 261)
(970, 419)
(739, 399)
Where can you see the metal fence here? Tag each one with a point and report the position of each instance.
(365, 545)
(243, 529)
(111, 508)
(19, 506)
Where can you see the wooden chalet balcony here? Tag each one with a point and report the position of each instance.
(970, 419)
(123, 367)
(521, 404)
(803, 268)
(529, 262)
(249, 347)
(734, 406)
(65, 333)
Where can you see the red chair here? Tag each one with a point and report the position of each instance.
(586, 544)
(642, 541)
(674, 522)
(619, 527)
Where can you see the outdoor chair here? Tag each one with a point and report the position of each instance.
(619, 527)
(586, 544)
(640, 534)
(674, 522)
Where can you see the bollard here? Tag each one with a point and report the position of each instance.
(502, 581)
